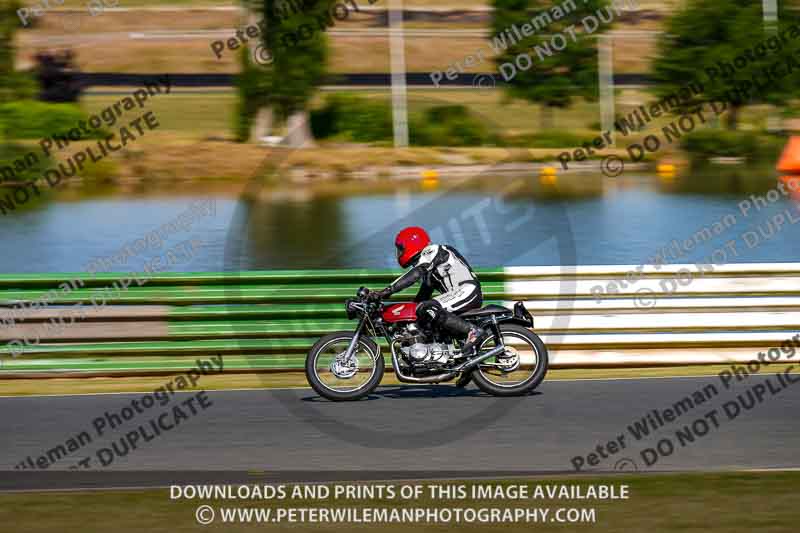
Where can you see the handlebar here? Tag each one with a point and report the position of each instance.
(365, 301)
(366, 295)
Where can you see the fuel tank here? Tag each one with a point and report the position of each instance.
(402, 312)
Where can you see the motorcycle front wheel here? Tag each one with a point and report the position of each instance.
(519, 369)
(337, 379)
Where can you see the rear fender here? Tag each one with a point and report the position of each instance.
(522, 316)
(519, 316)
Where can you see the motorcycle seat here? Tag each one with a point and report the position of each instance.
(483, 311)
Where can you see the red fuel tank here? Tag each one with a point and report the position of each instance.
(404, 312)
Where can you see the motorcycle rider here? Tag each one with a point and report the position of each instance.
(439, 267)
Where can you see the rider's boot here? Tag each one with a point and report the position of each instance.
(459, 327)
(475, 338)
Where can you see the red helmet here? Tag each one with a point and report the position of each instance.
(410, 242)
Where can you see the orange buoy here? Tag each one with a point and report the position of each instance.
(789, 161)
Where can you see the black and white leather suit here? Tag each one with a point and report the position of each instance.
(442, 269)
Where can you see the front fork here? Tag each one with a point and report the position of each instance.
(354, 342)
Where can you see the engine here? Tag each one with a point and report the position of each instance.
(417, 350)
(428, 353)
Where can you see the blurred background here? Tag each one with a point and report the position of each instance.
(321, 122)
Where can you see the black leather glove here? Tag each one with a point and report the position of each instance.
(379, 295)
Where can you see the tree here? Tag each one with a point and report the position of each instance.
(13, 85)
(8, 23)
(710, 34)
(253, 96)
(299, 48)
(293, 33)
(558, 62)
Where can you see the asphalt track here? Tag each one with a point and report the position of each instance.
(410, 429)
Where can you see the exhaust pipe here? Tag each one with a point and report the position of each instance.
(472, 363)
(427, 379)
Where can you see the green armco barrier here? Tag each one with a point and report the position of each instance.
(267, 320)
(260, 311)
(258, 319)
(206, 294)
(259, 277)
(110, 365)
(171, 347)
(277, 328)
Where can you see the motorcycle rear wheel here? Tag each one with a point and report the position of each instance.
(519, 370)
(346, 380)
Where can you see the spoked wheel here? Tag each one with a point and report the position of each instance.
(337, 378)
(519, 369)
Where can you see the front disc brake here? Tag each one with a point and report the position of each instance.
(344, 369)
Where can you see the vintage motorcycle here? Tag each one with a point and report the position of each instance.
(349, 365)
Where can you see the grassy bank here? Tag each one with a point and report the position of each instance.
(194, 139)
(199, 116)
(710, 502)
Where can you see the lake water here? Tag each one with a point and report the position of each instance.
(580, 219)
